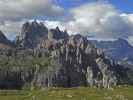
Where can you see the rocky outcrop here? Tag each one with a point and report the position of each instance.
(31, 34)
(34, 33)
(51, 58)
(69, 62)
(78, 63)
(57, 34)
(54, 35)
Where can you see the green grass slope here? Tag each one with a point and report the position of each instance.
(82, 93)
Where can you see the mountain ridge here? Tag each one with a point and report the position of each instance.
(45, 58)
(118, 50)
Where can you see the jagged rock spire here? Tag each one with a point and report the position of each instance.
(32, 33)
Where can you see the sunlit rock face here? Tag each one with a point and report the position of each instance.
(78, 63)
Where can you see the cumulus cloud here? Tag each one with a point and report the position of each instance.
(54, 24)
(11, 28)
(101, 20)
(20, 9)
(14, 12)
(129, 16)
(130, 40)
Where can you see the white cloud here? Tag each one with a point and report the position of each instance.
(14, 12)
(130, 40)
(11, 28)
(130, 17)
(101, 20)
(54, 24)
(20, 9)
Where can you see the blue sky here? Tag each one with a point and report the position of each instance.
(123, 5)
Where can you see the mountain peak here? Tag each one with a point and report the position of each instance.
(57, 34)
(57, 28)
(118, 49)
(33, 33)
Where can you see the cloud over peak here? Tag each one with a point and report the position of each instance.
(14, 12)
(98, 19)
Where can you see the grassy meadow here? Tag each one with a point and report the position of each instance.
(81, 93)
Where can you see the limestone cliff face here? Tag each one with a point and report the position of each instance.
(68, 62)
(78, 63)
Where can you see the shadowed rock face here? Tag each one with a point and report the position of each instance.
(57, 34)
(31, 34)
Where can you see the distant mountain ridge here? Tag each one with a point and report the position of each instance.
(34, 34)
(119, 49)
